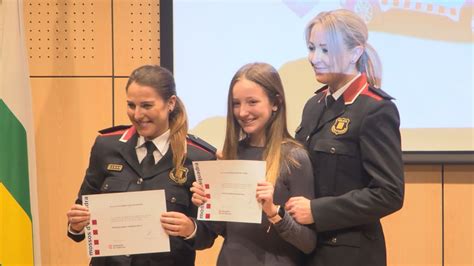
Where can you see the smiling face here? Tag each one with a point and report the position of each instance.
(252, 109)
(148, 111)
(332, 66)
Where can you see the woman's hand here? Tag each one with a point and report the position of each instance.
(265, 197)
(199, 195)
(78, 217)
(300, 209)
(177, 224)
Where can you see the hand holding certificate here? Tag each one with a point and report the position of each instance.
(126, 223)
(230, 187)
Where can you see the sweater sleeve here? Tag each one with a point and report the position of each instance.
(300, 183)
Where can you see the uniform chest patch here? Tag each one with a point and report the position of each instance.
(340, 126)
(179, 175)
(114, 167)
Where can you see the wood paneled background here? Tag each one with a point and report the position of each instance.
(80, 53)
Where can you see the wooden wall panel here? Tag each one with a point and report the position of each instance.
(414, 234)
(459, 215)
(67, 115)
(120, 102)
(72, 38)
(136, 34)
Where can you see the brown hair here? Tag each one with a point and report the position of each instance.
(162, 81)
(276, 130)
(345, 27)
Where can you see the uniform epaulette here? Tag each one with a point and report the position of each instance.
(199, 143)
(323, 88)
(381, 93)
(116, 129)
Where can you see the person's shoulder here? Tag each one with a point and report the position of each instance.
(323, 89)
(200, 149)
(319, 94)
(294, 149)
(114, 131)
(377, 94)
(115, 134)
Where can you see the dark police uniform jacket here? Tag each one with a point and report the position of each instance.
(115, 149)
(355, 149)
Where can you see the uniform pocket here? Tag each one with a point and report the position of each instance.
(336, 147)
(177, 199)
(114, 185)
(337, 167)
(347, 238)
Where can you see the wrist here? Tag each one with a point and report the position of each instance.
(191, 227)
(75, 231)
(274, 211)
(277, 218)
(193, 233)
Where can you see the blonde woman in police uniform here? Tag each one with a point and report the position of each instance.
(154, 153)
(351, 130)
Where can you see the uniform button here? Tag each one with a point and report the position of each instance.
(332, 150)
(106, 186)
(307, 138)
(173, 200)
(139, 181)
(334, 240)
(127, 255)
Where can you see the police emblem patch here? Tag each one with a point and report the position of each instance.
(180, 175)
(114, 167)
(340, 126)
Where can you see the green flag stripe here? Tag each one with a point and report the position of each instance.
(14, 157)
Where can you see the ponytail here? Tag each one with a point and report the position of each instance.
(178, 131)
(369, 63)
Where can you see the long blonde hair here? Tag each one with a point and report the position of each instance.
(276, 130)
(162, 81)
(344, 27)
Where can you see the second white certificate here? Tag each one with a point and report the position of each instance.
(126, 223)
(230, 187)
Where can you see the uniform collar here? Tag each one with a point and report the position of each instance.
(355, 89)
(161, 142)
(341, 91)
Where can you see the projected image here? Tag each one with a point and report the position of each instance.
(425, 48)
(453, 17)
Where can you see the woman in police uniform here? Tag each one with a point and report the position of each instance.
(154, 153)
(351, 130)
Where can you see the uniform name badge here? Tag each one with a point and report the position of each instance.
(114, 167)
(340, 126)
(179, 175)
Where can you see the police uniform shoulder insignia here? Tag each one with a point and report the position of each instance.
(380, 93)
(200, 144)
(116, 130)
(340, 126)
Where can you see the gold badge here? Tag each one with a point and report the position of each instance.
(180, 175)
(340, 126)
(114, 167)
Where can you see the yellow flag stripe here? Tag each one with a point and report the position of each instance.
(16, 243)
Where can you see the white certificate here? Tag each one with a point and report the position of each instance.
(231, 188)
(126, 223)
